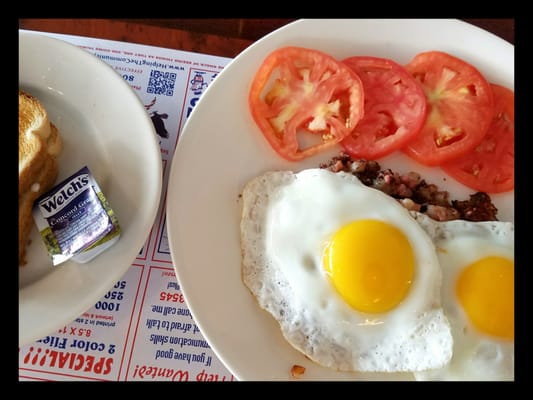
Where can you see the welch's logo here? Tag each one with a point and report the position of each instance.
(65, 192)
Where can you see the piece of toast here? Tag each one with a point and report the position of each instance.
(38, 139)
(44, 180)
(39, 145)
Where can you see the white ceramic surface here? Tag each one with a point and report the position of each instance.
(104, 126)
(221, 148)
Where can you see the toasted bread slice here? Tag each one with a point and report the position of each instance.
(38, 139)
(39, 145)
(34, 130)
(42, 182)
(54, 144)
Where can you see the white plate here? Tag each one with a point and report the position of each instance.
(220, 149)
(104, 126)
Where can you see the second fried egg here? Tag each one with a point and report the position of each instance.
(477, 262)
(349, 275)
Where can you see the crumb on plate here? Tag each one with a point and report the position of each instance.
(297, 370)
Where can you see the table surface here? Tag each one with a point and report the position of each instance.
(222, 37)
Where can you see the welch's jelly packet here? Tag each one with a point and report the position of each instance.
(75, 220)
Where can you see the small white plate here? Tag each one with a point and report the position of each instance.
(104, 126)
(221, 148)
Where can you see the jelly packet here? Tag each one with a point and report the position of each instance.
(75, 220)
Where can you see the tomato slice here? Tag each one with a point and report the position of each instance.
(490, 166)
(394, 111)
(297, 91)
(460, 107)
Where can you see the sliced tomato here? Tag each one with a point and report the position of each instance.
(460, 107)
(394, 111)
(298, 91)
(490, 166)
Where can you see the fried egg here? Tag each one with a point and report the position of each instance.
(351, 278)
(477, 262)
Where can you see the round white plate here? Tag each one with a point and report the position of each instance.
(221, 148)
(104, 126)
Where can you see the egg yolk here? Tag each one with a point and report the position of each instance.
(485, 290)
(371, 264)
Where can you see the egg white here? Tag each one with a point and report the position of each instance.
(476, 356)
(286, 219)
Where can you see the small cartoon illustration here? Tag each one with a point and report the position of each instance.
(198, 82)
(157, 119)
